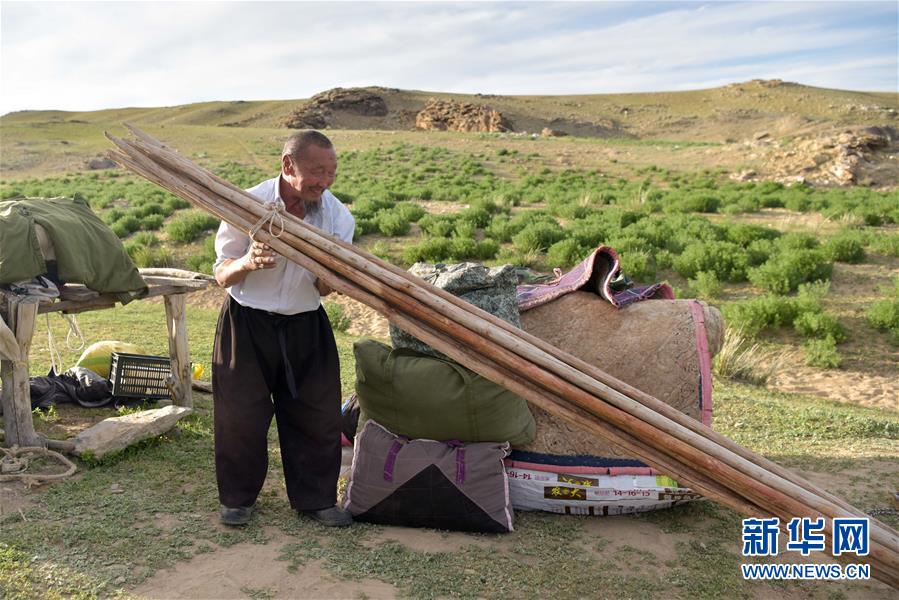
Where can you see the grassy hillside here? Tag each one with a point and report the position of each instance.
(48, 141)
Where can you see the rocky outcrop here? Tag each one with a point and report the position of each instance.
(319, 111)
(448, 115)
(848, 157)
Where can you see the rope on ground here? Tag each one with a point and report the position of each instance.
(15, 462)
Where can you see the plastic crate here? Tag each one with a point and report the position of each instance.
(139, 376)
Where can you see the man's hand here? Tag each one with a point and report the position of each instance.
(322, 287)
(259, 256)
(235, 270)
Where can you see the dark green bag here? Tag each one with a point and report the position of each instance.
(419, 396)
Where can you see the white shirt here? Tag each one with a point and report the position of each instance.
(287, 288)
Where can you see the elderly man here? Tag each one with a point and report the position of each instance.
(274, 350)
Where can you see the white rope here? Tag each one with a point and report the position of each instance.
(74, 331)
(273, 211)
(55, 356)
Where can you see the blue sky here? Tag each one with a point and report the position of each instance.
(92, 55)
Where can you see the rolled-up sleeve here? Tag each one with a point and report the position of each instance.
(230, 242)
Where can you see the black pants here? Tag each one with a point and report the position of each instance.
(263, 365)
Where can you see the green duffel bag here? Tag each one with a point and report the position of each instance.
(419, 396)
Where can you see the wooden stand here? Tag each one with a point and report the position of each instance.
(20, 313)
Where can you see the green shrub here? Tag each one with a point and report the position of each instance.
(819, 325)
(190, 225)
(487, 249)
(822, 354)
(392, 224)
(884, 316)
(144, 238)
(706, 285)
(887, 244)
(538, 236)
(202, 261)
(152, 222)
(753, 316)
(797, 241)
(565, 253)
(410, 211)
(638, 265)
(438, 225)
(340, 321)
(432, 250)
(784, 272)
(369, 207)
(145, 257)
(744, 233)
(125, 226)
(725, 259)
(847, 247)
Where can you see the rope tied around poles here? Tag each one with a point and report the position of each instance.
(273, 212)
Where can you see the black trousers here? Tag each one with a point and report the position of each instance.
(266, 365)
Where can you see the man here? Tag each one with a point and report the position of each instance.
(274, 350)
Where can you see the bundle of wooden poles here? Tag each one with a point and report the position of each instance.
(557, 382)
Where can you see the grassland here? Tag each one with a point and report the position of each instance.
(810, 275)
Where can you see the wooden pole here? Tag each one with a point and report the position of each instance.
(16, 397)
(176, 323)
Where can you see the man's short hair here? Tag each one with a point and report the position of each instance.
(297, 143)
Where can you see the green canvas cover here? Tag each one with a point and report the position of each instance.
(420, 396)
(87, 251)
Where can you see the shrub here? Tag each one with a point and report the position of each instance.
(190, 225)
(725, 259)
(369, 207)
(438, 225)
(392, 224)
(538, 236)
(125, 225)
(886, 244)
(487, 249)
(432, 250)
(144, 238)
(822, 354)
(846, 247)
(784, 272)
(884, 316)
(706, 285)
(410, 211)
(819, 325)
(338, 317)
(638, 265)
(753, 316)
(744, 233)
(565, 253)
(797, 241)
(202, 261)
(145, 257)
(152, 222)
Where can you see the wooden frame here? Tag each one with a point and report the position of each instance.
(20, 315)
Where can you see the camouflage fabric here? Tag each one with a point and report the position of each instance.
(491, 289)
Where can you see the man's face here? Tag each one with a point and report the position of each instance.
(312, 174)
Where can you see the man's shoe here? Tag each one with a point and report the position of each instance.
(235, 516)
(330, 517)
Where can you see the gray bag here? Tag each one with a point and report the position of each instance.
(424, 483)
(492, 290)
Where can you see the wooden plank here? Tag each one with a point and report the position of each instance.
(176, 322)
(16, 396)
(153, 280)
(108, 300)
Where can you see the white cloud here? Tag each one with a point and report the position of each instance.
(81, 56)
